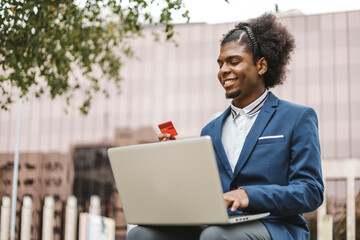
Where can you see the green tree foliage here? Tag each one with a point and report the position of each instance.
(43, 42)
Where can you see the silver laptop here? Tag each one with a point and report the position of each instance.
(171, 183)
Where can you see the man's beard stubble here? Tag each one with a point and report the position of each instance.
(233, 94)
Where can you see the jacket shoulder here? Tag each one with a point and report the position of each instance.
(214, 122)
(293, 107)
(209, 126)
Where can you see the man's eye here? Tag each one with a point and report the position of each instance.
(234, 63)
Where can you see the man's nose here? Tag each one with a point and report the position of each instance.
(224, 69)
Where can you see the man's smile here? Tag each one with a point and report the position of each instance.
(228, 82)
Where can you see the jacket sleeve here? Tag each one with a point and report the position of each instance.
(304, 191)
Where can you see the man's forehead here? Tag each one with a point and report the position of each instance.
(231, 50)
(233, 46)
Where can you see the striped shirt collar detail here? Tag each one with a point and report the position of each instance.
(252, 109)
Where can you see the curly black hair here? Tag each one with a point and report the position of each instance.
(268, 38)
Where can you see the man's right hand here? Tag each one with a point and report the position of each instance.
(165, 137)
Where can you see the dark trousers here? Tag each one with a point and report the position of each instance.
(249, 230)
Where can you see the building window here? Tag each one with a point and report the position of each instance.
(336, 206)
(357, 208)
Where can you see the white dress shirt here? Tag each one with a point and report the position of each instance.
(237, 126)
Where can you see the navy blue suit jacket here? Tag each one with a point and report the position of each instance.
(281, 171)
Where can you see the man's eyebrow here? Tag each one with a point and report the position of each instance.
(229, 58)
(233, 56)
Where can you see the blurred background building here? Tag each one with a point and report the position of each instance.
(63, 154)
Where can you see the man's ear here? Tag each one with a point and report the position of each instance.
(262, 66)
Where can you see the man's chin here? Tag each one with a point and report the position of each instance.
(232, 95)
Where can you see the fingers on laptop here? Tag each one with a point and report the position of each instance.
(233, 203)
(236, 199)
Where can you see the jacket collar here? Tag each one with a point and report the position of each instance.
(261, 122)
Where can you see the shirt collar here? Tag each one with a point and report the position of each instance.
(252, 109)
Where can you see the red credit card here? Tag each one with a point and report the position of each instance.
(168, 127)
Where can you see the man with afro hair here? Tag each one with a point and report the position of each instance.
(267, 149)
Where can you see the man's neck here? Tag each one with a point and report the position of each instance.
(242, 103)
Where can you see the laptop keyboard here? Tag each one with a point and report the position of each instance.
(236, 213)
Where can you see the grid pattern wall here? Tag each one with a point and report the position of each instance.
(164, 82)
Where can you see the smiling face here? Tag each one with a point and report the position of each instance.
(241, 78)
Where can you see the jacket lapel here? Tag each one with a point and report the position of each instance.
(216, 136)
(261, 122)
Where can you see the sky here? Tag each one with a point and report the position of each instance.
(218, 11)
